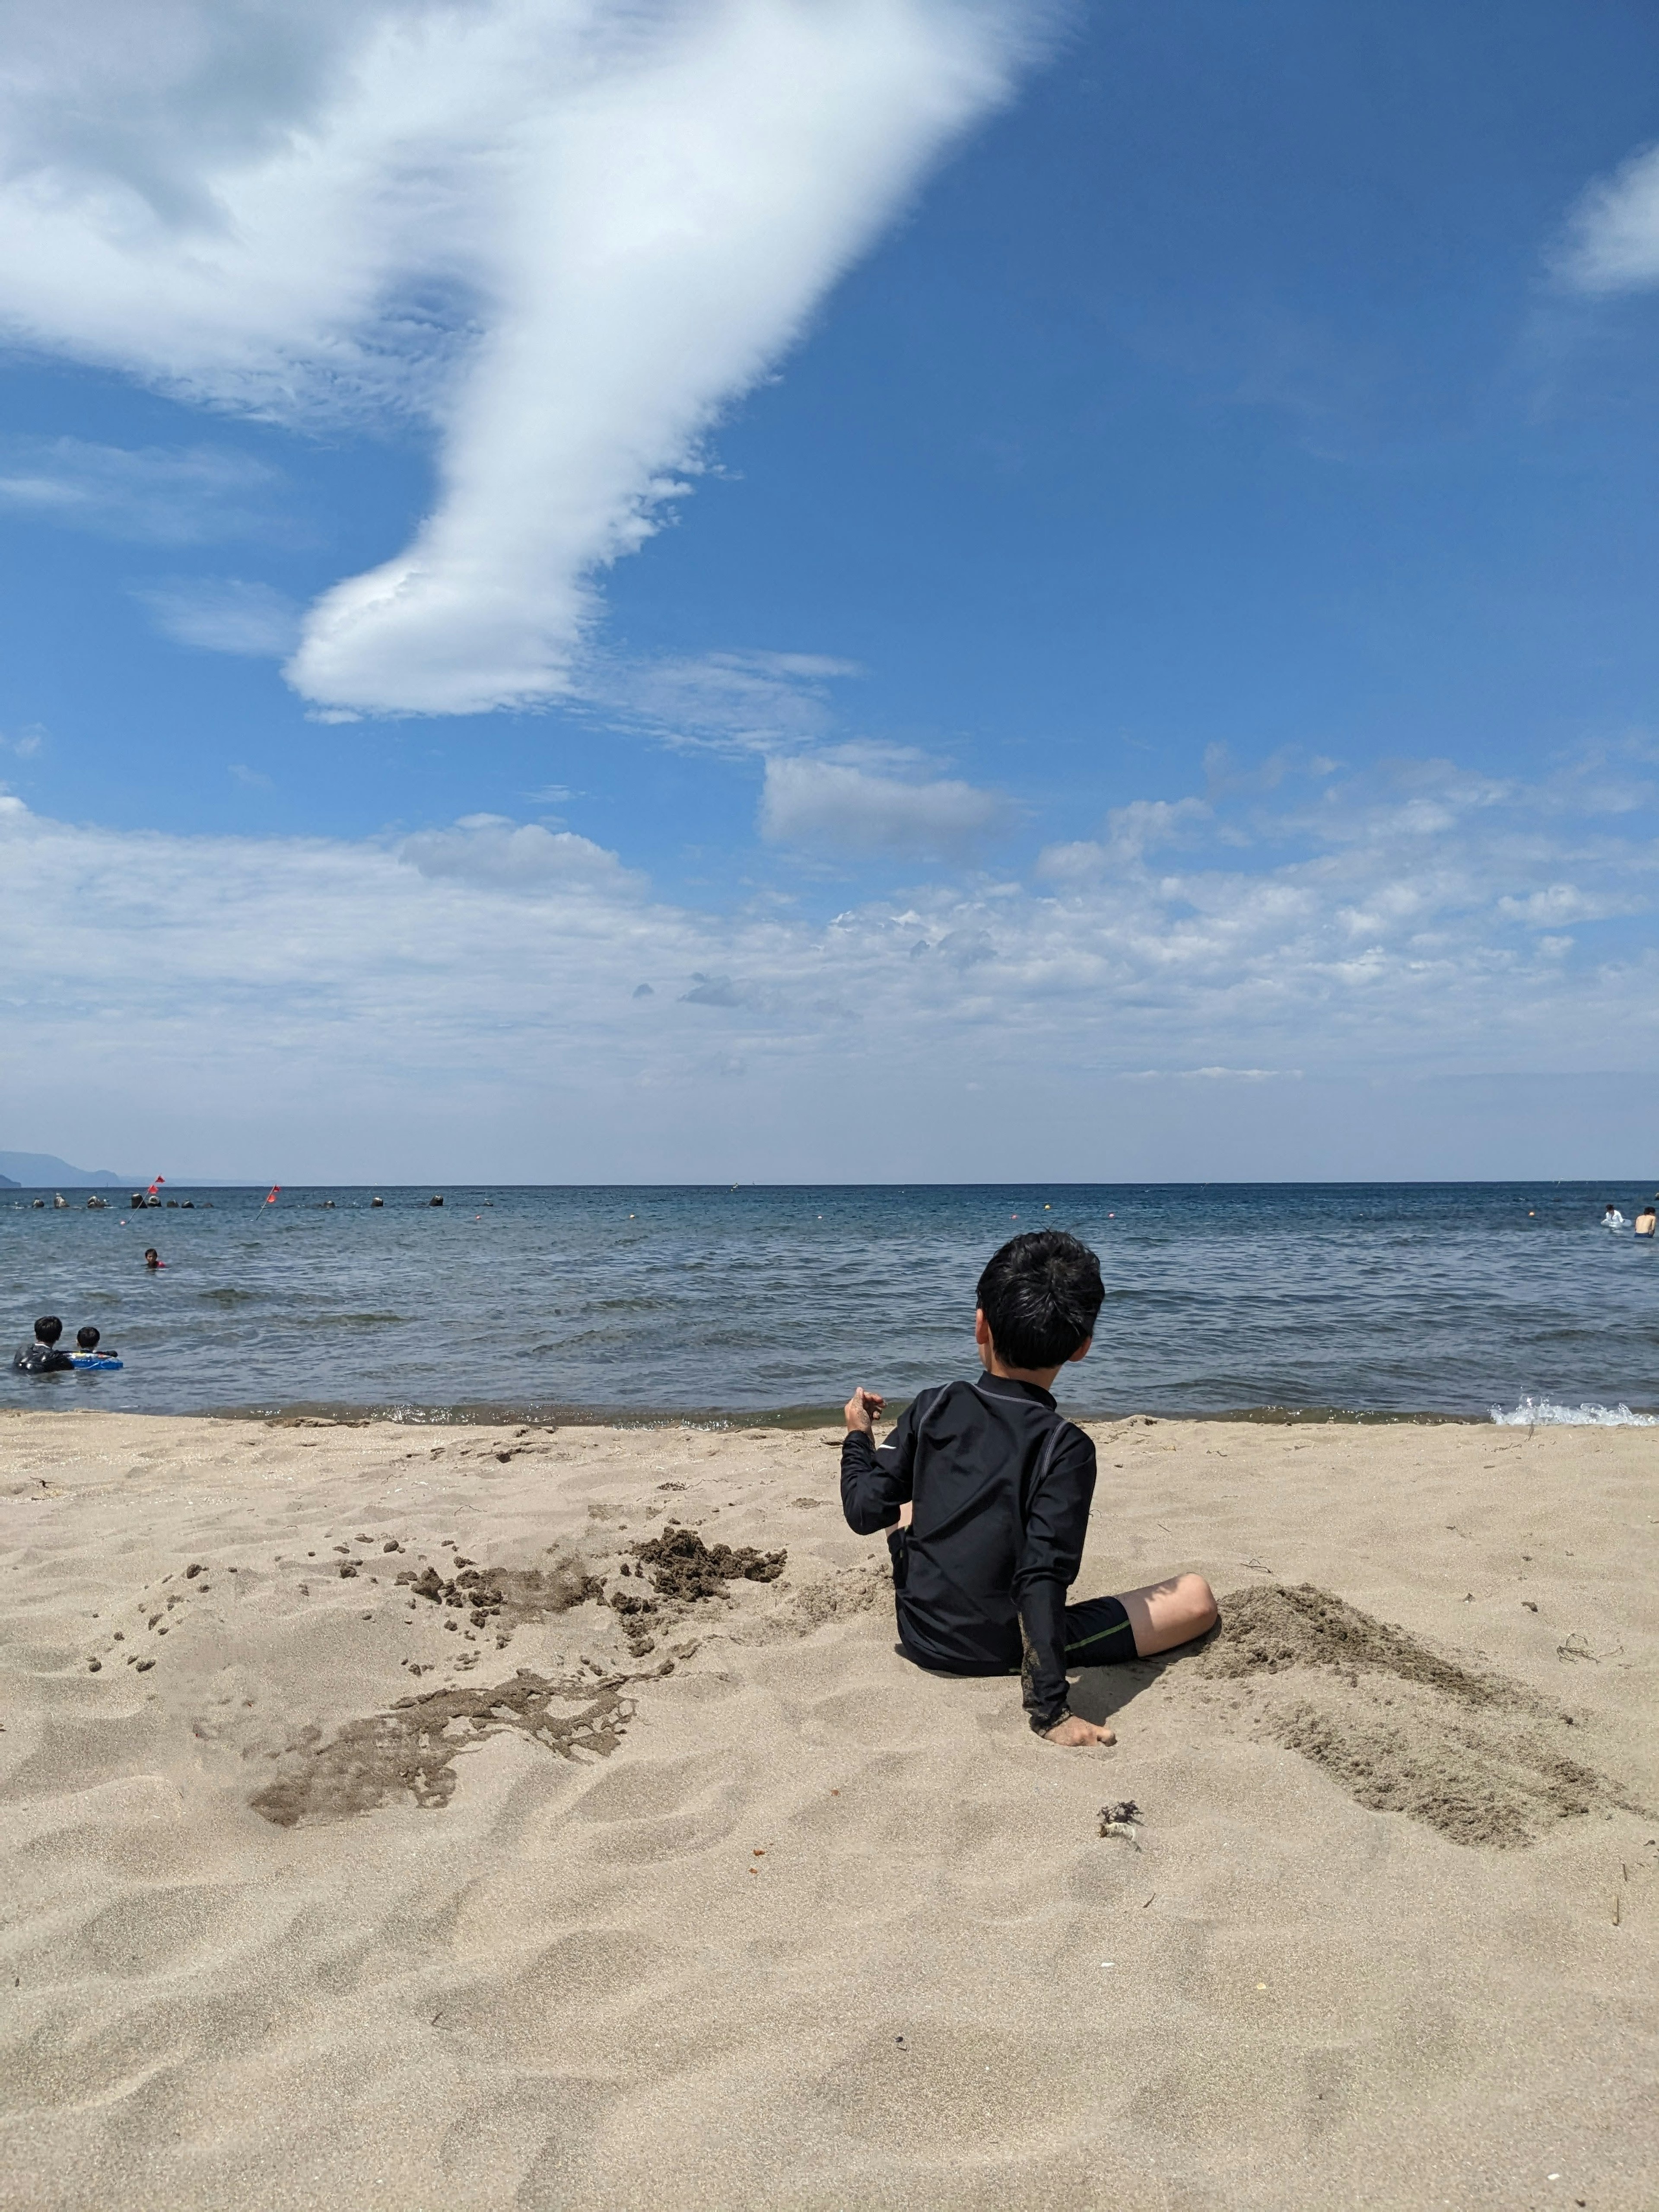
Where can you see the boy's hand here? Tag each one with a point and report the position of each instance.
(861, 1409)
(1074, 1733)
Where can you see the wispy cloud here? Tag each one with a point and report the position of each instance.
(1612, 239)
(733, 703)
(153, 495)
(565, 233)
(223, 614)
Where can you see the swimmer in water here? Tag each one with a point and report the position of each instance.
(1647, 1220)
(152, 1259)
(1612, 1218)
(90, 1351)
(45, 1356)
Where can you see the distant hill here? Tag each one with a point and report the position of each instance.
(46, 1172)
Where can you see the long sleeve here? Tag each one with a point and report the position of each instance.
(1056, 1524)
(874, 1482)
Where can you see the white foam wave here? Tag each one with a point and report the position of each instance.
(1541, 1413)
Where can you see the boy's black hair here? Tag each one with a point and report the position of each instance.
(48, 1329)
(87, 1338)
(1040, 1295)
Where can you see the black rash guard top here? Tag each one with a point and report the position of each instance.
(40, 1359)
(1001, 1485)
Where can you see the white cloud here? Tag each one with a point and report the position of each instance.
(153, 494)
(492, 850)
(841, 808)
(1612, 243)
(223, 614)
(565, 233)
(471, 974)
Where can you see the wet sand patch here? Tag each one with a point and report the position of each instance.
(411, 1750)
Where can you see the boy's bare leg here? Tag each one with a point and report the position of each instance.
(1161, 1616)
(1170, 1613)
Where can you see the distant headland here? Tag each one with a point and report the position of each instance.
(45, 1171)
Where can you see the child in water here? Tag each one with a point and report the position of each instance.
(985, 1489)
(87, 1353)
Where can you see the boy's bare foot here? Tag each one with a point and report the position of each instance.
(1074, 1733)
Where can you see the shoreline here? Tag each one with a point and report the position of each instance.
(768, 1421)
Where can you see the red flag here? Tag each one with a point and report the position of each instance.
(270, 1196)
(156, 1185)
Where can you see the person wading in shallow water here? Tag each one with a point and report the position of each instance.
(43, 1356)
(985, 1489)
(153, 1259)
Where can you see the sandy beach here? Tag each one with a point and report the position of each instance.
(380, 1829)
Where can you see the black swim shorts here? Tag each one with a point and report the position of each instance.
(1098, 1634)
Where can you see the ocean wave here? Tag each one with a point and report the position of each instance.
(1541, 1413)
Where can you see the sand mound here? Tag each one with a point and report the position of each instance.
(1278, 1627)
(1402, 1727)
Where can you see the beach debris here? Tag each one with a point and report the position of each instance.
(686, 1568)
(1528, 1605)
(194, 1569)
(1120, 1818)
(1578, 1647)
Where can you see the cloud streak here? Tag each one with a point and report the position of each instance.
(223, 614)
(152, 496)
(564, 233)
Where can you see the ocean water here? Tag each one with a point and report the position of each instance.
(1389, 1299)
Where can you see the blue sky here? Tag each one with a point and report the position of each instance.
(1155, 588)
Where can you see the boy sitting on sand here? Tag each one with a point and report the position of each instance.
(984, 1489)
